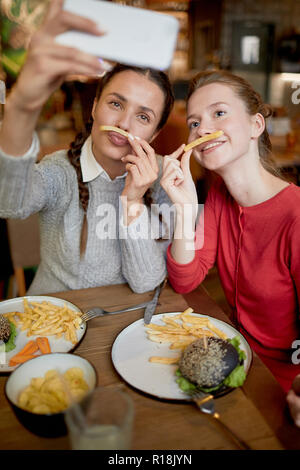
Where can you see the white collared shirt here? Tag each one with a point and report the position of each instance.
(90, 168)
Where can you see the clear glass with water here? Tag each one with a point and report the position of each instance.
(102, 421)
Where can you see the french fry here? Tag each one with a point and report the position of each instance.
(114, 129)
(10, 317)
(203, 333)
(192, 319)
(72, 332)
(186, 326)
(199, 332)
(161, 328)
(181, 344)
(187, 311)
(170, 321)
(37, 324)
(159, 338)
(217, 331)
(177, 317)
(183, 332)
(164, 360)
(203, 139)
(167, 331)
(45, 318)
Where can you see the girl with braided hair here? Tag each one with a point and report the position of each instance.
(115, 101)
(93, 200)
(251, 219)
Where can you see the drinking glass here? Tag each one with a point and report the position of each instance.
(102, 420)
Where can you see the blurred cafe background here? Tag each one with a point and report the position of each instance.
(259, 40)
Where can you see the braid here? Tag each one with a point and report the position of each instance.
(74, 153)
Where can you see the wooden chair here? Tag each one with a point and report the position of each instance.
(24, 242)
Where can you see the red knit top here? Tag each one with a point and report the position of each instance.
(257, 252)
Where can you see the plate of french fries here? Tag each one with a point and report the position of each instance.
(42, 316)
(146, 356)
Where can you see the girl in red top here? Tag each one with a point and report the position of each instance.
(250, 226)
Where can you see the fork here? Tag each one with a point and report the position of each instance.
(205, 403)
(99, 312)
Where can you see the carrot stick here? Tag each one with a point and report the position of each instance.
(24, 354)
(43, 345)
(30, 348)
(15, 360)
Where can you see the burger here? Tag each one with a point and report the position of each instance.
(209, 364)
(7, 334)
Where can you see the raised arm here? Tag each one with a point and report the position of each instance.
(178, 183)
(45, 69)
(193, 250)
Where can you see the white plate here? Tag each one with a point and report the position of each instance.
(132, 349)
(56, 344)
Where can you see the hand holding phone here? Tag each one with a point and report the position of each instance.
(134, 36)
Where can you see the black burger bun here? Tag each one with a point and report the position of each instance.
(5, 330)
(207, 362)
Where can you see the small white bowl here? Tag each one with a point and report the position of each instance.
(52, 424)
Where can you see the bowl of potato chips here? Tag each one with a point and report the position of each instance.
(41, 389)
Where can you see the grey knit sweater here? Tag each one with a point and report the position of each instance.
(114, 254)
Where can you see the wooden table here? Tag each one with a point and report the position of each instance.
(257, 411)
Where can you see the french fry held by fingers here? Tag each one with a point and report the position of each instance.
(114, 129)
(203, 139)
(181, 330)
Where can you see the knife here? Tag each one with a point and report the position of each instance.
(150, 309)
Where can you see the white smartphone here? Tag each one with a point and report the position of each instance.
(134, 36)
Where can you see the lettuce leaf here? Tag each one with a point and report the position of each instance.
(185, 385)
(10, 344)
(236, 344)
(236, 378)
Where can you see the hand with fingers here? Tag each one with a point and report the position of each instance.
(178, 183)
(48, 62)
(47, 65)
(177, 180)
(142, 168)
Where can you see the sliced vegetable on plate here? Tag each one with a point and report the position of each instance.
(40, 345)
